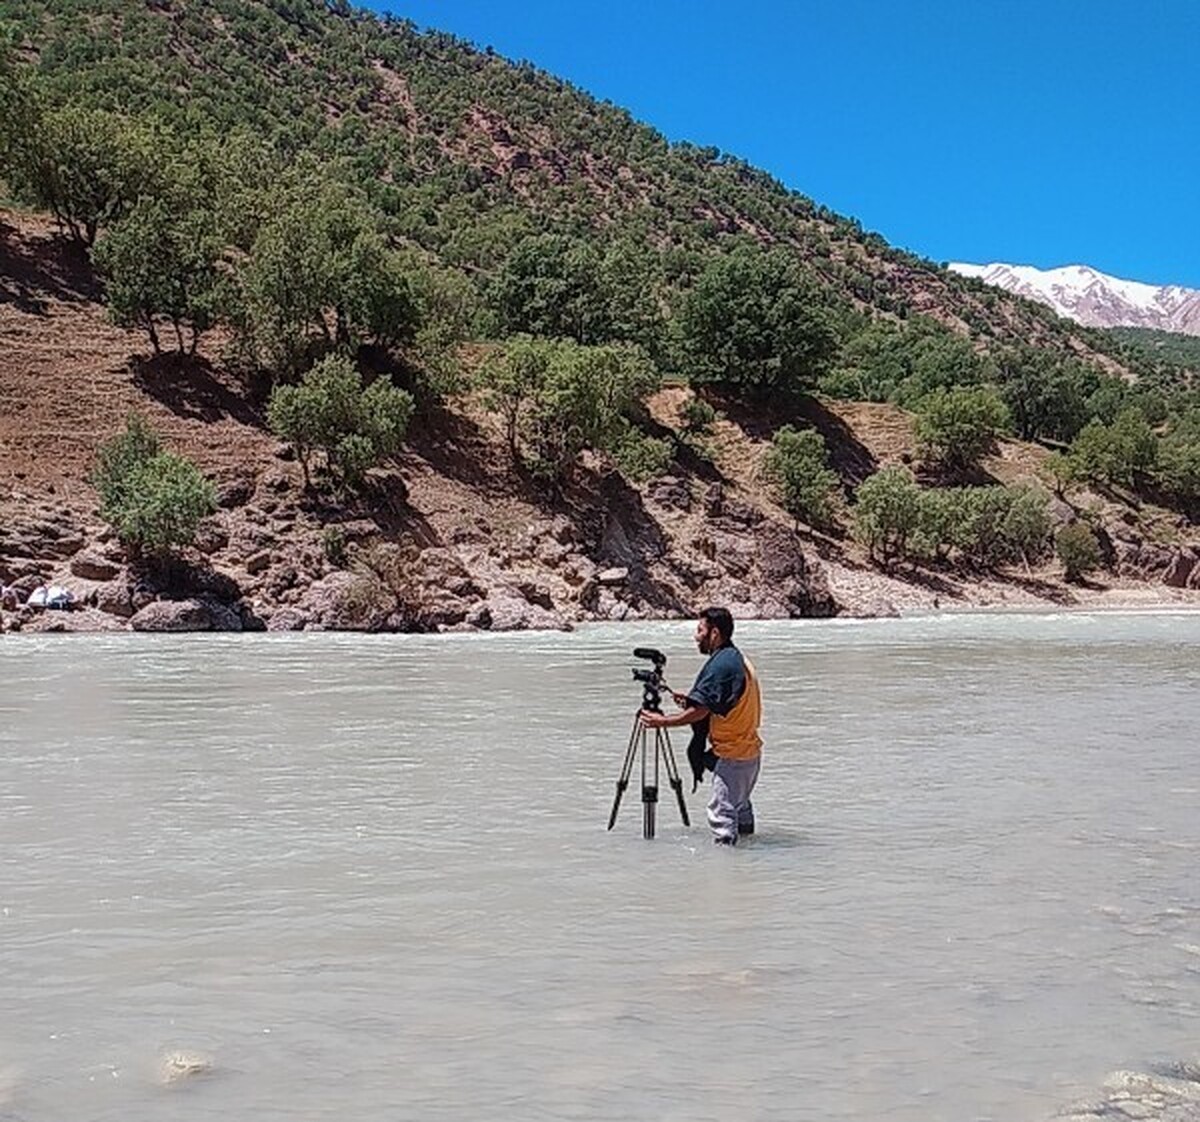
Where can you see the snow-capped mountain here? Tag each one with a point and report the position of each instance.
(1096, 299)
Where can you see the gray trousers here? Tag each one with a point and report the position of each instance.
(730, 811)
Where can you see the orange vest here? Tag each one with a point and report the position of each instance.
(735, 736)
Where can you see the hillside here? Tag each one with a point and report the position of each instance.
(212, 201)
(447, 537)
(469, 152)
(1171, 346)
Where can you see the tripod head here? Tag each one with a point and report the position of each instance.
(652, 680)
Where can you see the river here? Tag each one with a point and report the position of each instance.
(366, 878)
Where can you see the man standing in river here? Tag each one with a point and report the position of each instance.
(725, 693)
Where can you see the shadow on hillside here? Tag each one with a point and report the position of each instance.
(848, 456)
(384, 500)
(35, 269)
(975, 476)
(1055, 593)
(616, 529)
(457, 448)
(189, 387)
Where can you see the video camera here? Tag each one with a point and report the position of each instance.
(652, 680)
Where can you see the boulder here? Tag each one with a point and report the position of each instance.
(225, 617)
(90, 564)
(535, 593)
(234, 486)
(670, 492)
(614, 576)
(281, 579)
(507, 611)
(1179, 569)
(287, 619)
(345, 601)
(786, 583)
(173, 615)
(258, 562)
(211, 536)
(84, 621)
(721, 506)
(26, 584)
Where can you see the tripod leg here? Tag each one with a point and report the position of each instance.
(626, 768)
(649, 789)
(673, 776)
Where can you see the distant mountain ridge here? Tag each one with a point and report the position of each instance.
(1096, 299)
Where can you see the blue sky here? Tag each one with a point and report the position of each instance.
(1043, 133)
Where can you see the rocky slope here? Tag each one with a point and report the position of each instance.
(448, 536)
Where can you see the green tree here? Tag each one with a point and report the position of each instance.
(331, 412)
(551, 286)
(887, 513)
(1118, 453)
(1178, 464)
(157, 266)
(955, 427)
(586, 395)
(319, 276)
(512, 376)
(1026, 525)
(1062, 471)
(1046, 396)
(1078, 550)
(558, 398)
(86, 166)
(798, 463)
(154, 500)
(754, 324)
(449, 310)
(938, 525)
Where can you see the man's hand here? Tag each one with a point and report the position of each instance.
(680, 699)
(652, 720)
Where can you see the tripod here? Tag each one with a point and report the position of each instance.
(651, 756)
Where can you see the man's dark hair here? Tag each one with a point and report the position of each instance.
(721, 620)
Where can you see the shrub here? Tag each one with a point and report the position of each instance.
(330, 412)
(640, 456)
(1078, 550)
(558, 398)
(154, 500)
(887, 513)
(698, 416)
(798, 464)
(333, 545)
(956, 427)
(1116, 453)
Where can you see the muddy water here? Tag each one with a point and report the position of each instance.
(322, 876)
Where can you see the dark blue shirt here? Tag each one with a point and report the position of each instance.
(721, 681)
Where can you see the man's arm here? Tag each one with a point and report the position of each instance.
(688, 716)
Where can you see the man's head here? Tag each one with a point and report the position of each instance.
(714, 629)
